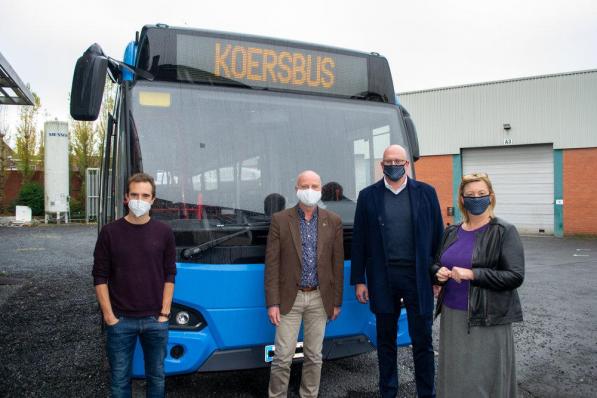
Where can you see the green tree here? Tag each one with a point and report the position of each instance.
(27, 139)
(87, 139)
(32, 195)
(4, 130)
(102, 122)
(41, 148)
(83, 141)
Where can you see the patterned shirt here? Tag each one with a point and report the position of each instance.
(309, 246)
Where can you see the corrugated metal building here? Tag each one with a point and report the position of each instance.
(536, 137)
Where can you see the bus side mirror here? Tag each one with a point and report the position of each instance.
(89, 79)
(411, 133)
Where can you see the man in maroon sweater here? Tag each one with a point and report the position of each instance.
(133, 273)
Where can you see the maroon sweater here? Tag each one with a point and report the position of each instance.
(135, 261)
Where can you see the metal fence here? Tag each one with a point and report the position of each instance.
(92, 188)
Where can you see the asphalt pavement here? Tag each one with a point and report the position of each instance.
(51, 344)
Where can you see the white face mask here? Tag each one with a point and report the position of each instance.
(308, 197)
(139, 207)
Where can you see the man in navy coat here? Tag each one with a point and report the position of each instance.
(397, 231)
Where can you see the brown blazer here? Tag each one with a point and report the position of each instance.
(283, 260)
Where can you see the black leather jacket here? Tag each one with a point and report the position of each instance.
(498, 266)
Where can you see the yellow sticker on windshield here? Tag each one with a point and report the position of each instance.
(152, 98)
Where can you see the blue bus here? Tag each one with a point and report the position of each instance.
(224, 122)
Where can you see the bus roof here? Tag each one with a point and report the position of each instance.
(258, 38)
(248, 61)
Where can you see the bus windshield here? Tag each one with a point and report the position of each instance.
(229, 157)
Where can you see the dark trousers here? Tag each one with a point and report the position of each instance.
(404, 286)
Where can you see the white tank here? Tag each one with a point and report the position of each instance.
(56, 181)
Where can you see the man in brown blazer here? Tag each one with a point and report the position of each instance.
(304, 275)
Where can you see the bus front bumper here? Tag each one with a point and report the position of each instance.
(255, 357)
(197, 352)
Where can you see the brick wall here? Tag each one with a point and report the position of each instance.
(580, 191)
(12, 185)
(13, 181)
(437, 171)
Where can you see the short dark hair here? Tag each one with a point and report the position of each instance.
(141, 177)
(273, 203)
(332, 191)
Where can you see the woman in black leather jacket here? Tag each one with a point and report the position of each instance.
(479, 266)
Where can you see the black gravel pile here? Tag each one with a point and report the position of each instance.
(50, 338)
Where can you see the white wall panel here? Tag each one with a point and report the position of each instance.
(522, 178)
(558, 109)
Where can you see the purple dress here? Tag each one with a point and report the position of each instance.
(459, 254)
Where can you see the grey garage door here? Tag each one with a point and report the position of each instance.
(522, 178)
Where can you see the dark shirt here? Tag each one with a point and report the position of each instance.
(135, 261)
(399, 229)
(459, 254)
(309, 245)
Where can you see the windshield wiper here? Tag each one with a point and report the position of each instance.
(194, 251)
(191, 252)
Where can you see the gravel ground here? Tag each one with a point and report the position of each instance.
(50, 335)
(51, 344)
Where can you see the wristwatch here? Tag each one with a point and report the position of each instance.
(165, 315)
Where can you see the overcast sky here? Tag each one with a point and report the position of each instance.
(428, 44)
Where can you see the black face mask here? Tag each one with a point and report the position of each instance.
(478, 205)
(394, 171)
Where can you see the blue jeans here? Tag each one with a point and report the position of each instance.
(120, 346)
(404, 285)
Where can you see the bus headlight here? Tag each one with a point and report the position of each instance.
(185, 318)
(182, 318)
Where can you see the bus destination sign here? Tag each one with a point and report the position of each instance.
(270, 66)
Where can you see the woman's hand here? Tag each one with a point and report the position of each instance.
(462, 274)
(443, 274)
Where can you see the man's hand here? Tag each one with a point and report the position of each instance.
(103, 298)
(443, 274)
(462, 274)
(362, 293)
(111, 320)
(336, 313)
(162, 319)
(273, 313)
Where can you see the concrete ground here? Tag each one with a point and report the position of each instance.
(51, 344)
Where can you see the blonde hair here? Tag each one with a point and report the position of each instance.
(475, 177)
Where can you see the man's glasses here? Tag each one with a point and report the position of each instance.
(393, 162)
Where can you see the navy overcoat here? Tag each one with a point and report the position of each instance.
(369, 249)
